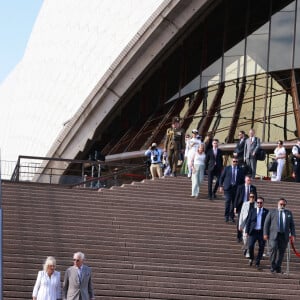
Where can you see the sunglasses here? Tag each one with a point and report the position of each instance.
(251, 196)
(235, 161)
(259, 202)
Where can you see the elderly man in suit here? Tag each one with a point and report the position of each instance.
(242, 195)
(214, 164)
(252, 145)
(231, 177)
(279, 224)
(254, 230)
(77, 283)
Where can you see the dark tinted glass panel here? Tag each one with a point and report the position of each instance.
(281, 43)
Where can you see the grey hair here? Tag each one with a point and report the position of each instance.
(50, 261)
(79, 254)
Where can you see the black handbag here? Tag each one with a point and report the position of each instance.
(273, 166)
(260, 154)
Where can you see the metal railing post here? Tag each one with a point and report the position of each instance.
(99, 174)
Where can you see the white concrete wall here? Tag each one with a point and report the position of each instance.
(72, 45)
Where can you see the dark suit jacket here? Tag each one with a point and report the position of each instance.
(239, 196)
(271, 224)
(214, 162)
(252, 219)
(239, 149)
(226, 177)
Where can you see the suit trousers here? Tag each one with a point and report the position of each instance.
(229, 202)
(297, 172)
(239, 234)
(210, 176)
(252, 162)
(256, 235)
(277, 249)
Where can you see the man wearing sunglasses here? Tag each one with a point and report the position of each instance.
(279, 224)
(77, 283)
(254, 231)
(242, 195)
(231, 177)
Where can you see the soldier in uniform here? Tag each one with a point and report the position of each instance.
(174, 144)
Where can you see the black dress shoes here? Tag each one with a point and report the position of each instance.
(214, 196)
(250, 262)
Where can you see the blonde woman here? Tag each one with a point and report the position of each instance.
(280, 155)
(243, 220)
(197, 167)
(47, 285)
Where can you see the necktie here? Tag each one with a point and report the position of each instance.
(79, 274)
(281, 229)
(233, 176)
(247, 187)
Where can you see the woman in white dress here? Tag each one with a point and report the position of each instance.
(243, 219)
(192, 148)
(280, 155)
(47, 285)
(198, 166)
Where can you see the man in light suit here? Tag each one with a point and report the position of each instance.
(214, 164)
(254, 230)
(231, 177)
(77, 283)
(279, 224)
(252, 145)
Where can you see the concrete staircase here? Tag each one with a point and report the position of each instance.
(146, 240)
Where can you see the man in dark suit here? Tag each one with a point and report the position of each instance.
(254, 229)
(242, 195)
(239, 148)
(214, 164)
(231, 177)
(279, 224)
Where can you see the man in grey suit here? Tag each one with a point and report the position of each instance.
(252, 145)
(279, 224)
(77, 283)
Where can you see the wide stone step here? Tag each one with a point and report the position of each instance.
(146, 240)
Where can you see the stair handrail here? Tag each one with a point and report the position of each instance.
(293, 247)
